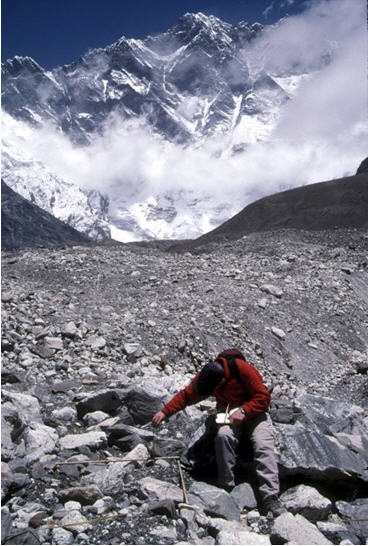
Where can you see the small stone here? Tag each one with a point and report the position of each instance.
(306, 501)
(133, 350)
(84, 495)
(69, 329)
(54, 343)
(296, 530)
(273, 290)
(278, 332)
(234, 536)
(93, 440)
(96, 342)
(74, 521)
(42, 350)
(103, 505)
(62, 536)
(164, 533)
(37, 519)
(63, 386)
(258, 349)
(95, 417)
(7, 297)
(66, 414)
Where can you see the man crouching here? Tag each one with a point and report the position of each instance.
(241, 394)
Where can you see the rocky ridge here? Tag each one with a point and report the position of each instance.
(321, 206)
(96, 337)
(24, 224)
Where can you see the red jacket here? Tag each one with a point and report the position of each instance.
(249, 393)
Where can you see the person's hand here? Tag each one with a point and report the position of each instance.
(158, 418)
(236, 418)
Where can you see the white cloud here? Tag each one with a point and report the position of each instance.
(266, 12)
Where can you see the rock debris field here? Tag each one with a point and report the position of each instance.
(97, 337)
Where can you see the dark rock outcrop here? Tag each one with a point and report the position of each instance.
(24, 224)
(327, 205)
(363, 167)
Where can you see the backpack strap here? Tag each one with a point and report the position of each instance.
(230, 367)
(233, 368)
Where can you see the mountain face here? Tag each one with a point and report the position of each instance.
(189, 84)
(24, 224)
(198, 58)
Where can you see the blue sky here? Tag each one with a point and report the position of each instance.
(56, 32)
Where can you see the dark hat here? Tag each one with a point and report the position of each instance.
(231, 353)
(209, 378)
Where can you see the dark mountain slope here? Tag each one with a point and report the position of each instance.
(326, 205)
(363, 167)
(24, 224)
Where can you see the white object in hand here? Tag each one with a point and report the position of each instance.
(224, 418)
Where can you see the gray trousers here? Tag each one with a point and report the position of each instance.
(260, 432)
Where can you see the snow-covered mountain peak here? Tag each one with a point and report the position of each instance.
(19, 64)
(202, 84)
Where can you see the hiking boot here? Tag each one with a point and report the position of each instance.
(273, 506)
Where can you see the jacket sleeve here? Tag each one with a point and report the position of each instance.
(182, 399)
(259, 396)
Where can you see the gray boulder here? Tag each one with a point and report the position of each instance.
(11, 481)
(330, 416)
(66, 414)
(95, 417)
(215, 501)
(238, 536)
(120, 430)
(356, 516)
(316, 455)
(328, 440)
(62, 536)
(163, 533)
(296, 530)
(109, 479)
(161, 490)
(69, 329)
(7, 445)
(307, 502)
(144, 401)
(106, 401)
(96, 342)
(243, 495)
(167, 447)
(26, 407)
(336, 532)
(84, 495)
(133, 350)
(93, 440)
(54, 343)
(39, 440)
(273, 290)
(74, 521)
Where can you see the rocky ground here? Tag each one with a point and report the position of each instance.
(96, 337)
